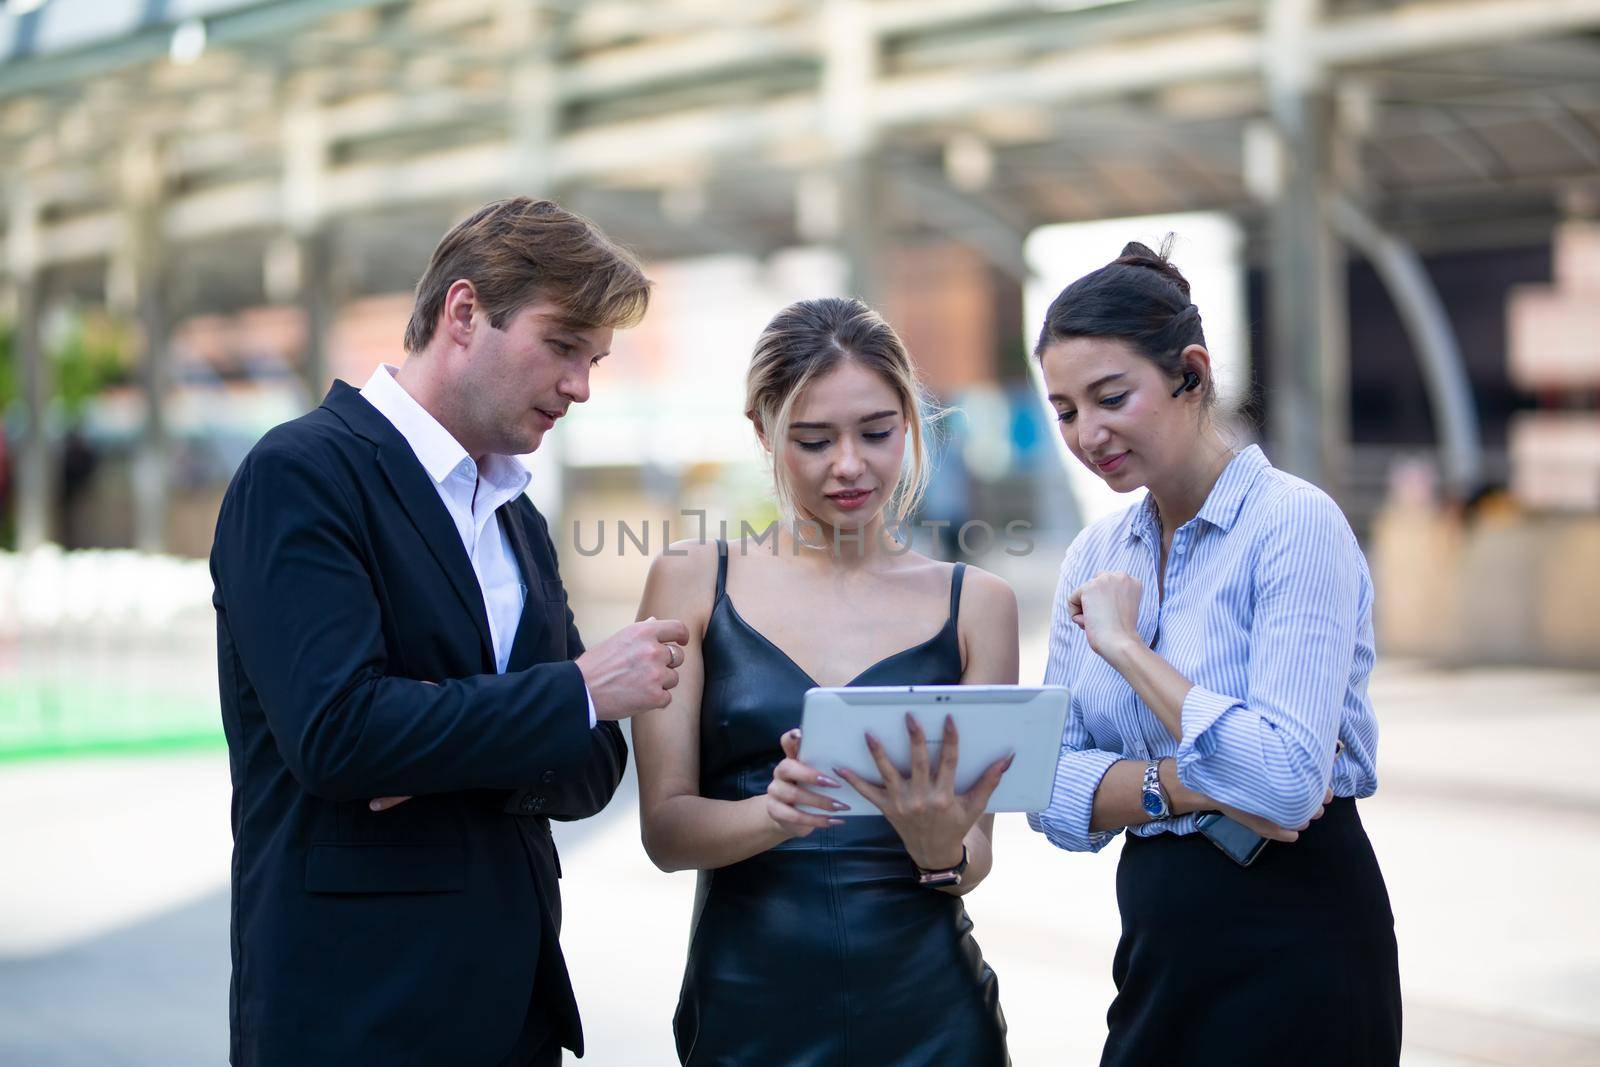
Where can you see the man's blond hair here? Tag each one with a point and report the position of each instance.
(519, 251)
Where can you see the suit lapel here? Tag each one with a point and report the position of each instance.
(419, 498)
(531, 627)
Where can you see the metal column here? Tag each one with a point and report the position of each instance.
(850, 69)
(1310, 426)
(143, 247)
(35, 487)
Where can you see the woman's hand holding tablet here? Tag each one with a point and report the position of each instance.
(923, 806)
(955, 734)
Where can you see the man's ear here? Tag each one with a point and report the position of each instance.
(460, 302)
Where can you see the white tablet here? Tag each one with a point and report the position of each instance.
(992, 721)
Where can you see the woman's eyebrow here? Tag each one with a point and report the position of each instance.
(1097, 383)
(874, 417)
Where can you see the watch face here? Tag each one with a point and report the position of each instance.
(1152, 805)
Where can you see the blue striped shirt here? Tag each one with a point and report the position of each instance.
(1268, 611)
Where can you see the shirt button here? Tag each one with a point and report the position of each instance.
(1178, 549)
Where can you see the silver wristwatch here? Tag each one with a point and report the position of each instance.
(1154, 799)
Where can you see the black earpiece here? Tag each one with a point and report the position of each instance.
(1191, 382)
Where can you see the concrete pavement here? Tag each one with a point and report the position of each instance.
(113, 905)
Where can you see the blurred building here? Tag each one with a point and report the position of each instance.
(256, 185)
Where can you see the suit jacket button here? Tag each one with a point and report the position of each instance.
(532, 803)
(547, 777)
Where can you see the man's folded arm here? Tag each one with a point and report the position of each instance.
(299, 604)
(585, 793)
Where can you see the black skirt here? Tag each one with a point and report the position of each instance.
(1289, 961)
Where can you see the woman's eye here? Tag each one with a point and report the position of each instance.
(812, 446)
(1113, 401)
(878, 435)
(1065, 416)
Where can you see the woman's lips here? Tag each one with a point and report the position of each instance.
(849, 501)
(1109, 466)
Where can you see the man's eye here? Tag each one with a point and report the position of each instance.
(563, 347)
(595, 362)
(1113, 401)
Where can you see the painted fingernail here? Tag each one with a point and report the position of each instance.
(823, 779)
(835, 822)
(375, 805)
(840, 806)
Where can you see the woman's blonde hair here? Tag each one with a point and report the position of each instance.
(805, 341)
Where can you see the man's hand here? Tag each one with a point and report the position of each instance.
(627, 673)
(633, 670)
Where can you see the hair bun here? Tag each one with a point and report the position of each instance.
(1138, 254)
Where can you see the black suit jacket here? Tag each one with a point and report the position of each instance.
(425, 934)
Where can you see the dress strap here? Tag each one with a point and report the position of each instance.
(722, 567)
(956, 574)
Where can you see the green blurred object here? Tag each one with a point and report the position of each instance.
(92, 349)
(42, 717)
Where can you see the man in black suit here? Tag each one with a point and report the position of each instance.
(391, 626)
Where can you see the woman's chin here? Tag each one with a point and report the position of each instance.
(844, 523)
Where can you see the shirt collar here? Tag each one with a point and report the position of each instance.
(1222, 505)
(439, 453)
(1233, 485)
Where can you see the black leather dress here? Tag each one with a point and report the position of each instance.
(822, 951)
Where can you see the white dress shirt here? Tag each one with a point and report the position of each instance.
(471, 495)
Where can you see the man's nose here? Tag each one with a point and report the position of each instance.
(575, 385)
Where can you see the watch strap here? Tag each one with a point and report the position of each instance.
(948, 876)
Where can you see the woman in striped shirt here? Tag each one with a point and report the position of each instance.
(1217, 639)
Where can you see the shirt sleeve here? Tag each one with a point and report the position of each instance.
(1081, 766)
(593, 718)
(1270, 750)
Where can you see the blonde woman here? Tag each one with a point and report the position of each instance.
(816, 939)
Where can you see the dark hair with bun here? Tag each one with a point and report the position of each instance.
(1140, 298)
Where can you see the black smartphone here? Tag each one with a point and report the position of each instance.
(1238, 842)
